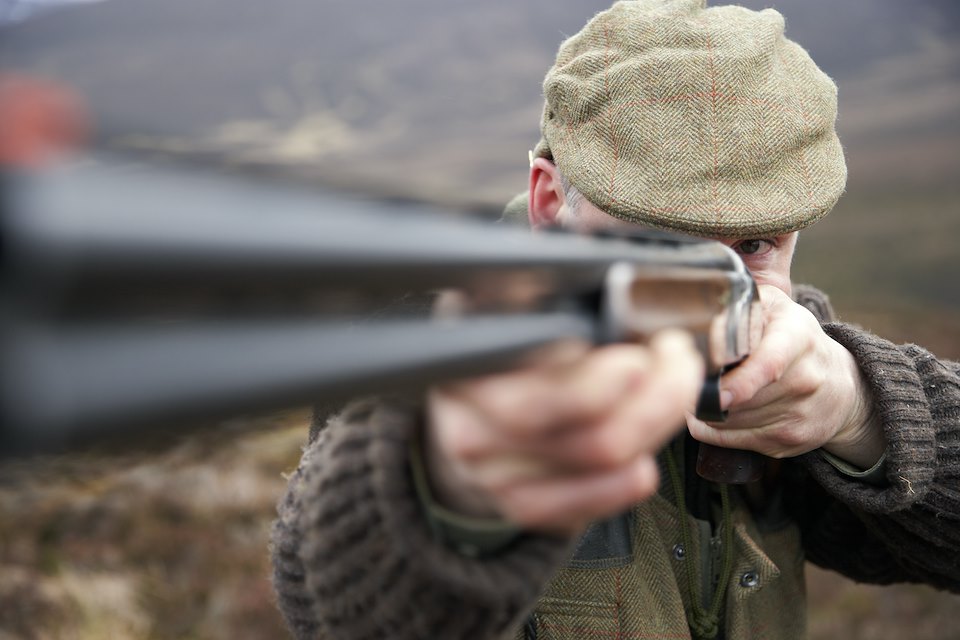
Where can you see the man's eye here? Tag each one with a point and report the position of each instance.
(753, 247)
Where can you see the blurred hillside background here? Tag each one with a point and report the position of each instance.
(434, 100)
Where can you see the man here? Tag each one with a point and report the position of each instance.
(559, 500)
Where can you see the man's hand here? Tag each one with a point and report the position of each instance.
(798, 390)
(567, 440)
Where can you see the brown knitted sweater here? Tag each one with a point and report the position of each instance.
(354, 558)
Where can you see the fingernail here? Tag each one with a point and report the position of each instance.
(726, 399)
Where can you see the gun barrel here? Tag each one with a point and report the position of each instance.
(104, 264)
(99, 228)
(79, 383)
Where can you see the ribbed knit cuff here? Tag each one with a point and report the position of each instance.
(901, 406)
(371, 564)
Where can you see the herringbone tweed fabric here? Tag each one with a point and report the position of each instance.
(700, 120)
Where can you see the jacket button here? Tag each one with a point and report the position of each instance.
(679, 553)
(749, 580)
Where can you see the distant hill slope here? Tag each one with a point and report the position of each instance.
(448, 90)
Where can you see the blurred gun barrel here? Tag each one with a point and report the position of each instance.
(101, 227)
(137, 295)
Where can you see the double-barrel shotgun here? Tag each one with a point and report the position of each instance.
(141, 294)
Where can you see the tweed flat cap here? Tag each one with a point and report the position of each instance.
(702, 120)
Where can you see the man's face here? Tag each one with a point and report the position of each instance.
(767, 258)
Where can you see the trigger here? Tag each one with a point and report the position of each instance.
(708, 406)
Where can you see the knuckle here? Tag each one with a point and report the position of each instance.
(792, 434)
(772, 368)
(460, 445)
(644, 483)
(808, 318)
(449, 439)
(607, 448)
(516, 411)
(457, 433)
(578, 406)
(611, 374)
(502, 403)
(807, 381)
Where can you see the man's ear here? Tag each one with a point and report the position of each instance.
(546, 195)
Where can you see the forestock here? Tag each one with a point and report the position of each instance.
(145, 295)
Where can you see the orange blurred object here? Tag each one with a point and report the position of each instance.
(40, 121)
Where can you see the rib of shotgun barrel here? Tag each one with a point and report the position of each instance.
(142, 295)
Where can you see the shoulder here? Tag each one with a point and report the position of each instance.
(814, 300)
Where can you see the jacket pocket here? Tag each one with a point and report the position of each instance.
(567, 619)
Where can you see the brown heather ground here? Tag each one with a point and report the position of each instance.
(173, 546)
(163, 546)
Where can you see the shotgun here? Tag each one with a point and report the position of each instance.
(142, 294)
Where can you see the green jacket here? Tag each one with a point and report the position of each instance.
(635, 577)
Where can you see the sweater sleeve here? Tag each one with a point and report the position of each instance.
(354, 557)
(907, 529)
